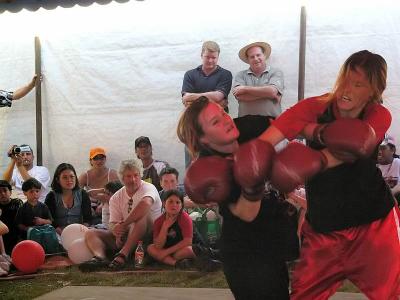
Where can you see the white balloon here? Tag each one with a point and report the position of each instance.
(78, 252)
(71, 233)
(194, 215)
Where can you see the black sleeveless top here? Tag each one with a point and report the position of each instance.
(348, 195)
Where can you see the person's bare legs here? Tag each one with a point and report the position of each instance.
(136, 233)
(171, 259)
(98, 240)
(185, 252)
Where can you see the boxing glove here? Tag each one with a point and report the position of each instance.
(294, 165)
(252, 167)
(347, 139)
(209, 179)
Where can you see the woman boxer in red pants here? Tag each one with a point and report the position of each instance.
(352, 225)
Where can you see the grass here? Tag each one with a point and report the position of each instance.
(43, 283)
(31, 288)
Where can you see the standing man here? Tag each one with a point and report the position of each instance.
(7, 97)
(258, 89)
(21, 168)
(208, 79)
(151, 167)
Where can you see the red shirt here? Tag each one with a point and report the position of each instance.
(184, 229)
(293, 120)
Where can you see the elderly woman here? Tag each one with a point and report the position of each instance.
(67, 202)
(94, 180)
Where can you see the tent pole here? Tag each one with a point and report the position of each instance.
(302, 53)
(38, 89)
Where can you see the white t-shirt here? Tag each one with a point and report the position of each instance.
(119, 202)
(391, 170)
(38, 172)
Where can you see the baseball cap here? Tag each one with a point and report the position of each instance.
(142, 139)
(96, 151)
(5, 183)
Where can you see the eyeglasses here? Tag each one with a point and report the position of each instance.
(130, 203)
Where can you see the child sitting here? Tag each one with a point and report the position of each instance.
(32, 212)
(172, 233)
(5, 260)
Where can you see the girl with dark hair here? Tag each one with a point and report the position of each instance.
(68, 203)
(172, 232)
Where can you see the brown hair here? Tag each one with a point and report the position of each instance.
(210, 46)
(375, 69)
(189, 130)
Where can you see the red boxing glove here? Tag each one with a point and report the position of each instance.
(252, 166)
(294, 165)
(348, 139)
(209, 179)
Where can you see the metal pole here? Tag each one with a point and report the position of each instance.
(302, 53)
(38, 89)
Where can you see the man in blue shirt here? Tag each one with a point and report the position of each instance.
(208, 79)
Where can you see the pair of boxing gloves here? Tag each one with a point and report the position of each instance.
(209, 179)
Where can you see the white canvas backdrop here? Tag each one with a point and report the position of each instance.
(114, 72)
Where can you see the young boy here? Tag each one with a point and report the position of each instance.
(32, 212)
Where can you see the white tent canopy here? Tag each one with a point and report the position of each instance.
(112, 73)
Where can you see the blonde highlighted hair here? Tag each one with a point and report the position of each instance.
(375, 69)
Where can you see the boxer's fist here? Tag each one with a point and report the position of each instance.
(253, 162)
(294, 165)
(209, 179)
(349, 139)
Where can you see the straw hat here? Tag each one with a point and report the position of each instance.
(265, 46)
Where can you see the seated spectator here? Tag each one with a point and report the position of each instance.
(6, 98)
(5, 260)
(21, 168)
(298, 199)
(172, 232)
(32, 212)
(94, 180)
(67, 202)
(9, 207)
(151, 167)
(169, 181)
(389, 165)
(3, 230)
(109, 189)
(133, 210)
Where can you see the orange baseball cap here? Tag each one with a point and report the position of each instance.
(96, 151)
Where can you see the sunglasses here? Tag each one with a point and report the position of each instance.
(99, 157)
(130, 203)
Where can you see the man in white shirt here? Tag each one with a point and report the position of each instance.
(133, 210)
(389, 166)
(21, 168)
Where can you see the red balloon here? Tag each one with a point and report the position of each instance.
(27, 256)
